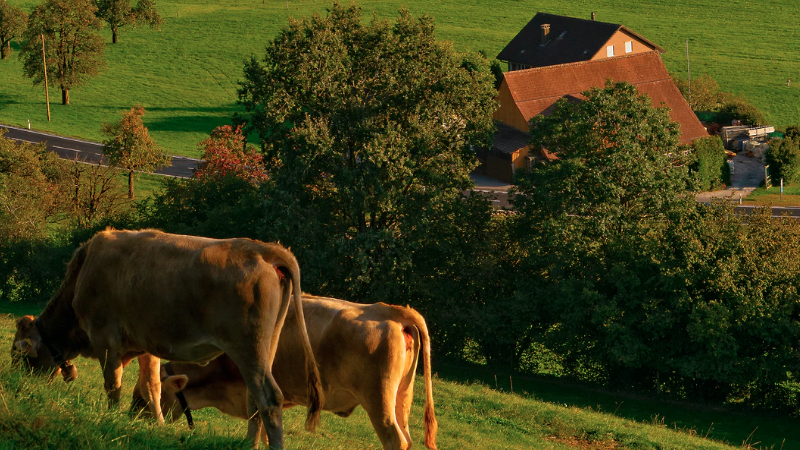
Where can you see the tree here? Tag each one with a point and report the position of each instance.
(73, 45)
(783, 157)
(12, 24)
(96, 194)
(710, 162)
(130, 146)
(738, 107)
(793, 131)
(591, 223)
(119, 13)
(705, 93)
(31, 188)
(226, 154)
(367, 129)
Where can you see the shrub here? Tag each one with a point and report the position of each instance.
(710, 163)
(783, 158)
(737, 107)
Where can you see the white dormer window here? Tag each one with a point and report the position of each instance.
(629, 47)
(610, 51)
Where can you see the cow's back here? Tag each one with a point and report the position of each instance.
(144, 283)
(351, 342)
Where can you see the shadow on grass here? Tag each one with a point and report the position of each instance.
(6, 100)
(188, 124)
(718, 422)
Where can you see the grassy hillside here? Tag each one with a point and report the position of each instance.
(186, 74)
(471, 415)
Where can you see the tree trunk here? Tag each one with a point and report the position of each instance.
(130, 185)
(65, 96)
(6, 50)
(114, 35)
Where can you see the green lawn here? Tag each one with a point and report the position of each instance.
(473, 414)
(186, 74)
(773, 197)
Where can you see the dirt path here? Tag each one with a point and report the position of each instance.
(747, 175)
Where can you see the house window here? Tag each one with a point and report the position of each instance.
(629, 47)
(610, 51)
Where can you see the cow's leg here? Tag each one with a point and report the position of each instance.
(150, 384)
(112, 377)
(266, 395)
(402, 408)
(381, 411)
(379, 397)
(254, 424)
(405, 393)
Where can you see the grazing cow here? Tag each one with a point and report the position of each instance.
(367, 356)
(151, 295)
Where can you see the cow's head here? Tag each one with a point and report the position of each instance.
(29, 350)
(171, 407)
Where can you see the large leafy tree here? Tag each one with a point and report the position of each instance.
(12, 24)
(592, 221)
(129, 146)
(119, 13)
(73, 45)
(367, 130)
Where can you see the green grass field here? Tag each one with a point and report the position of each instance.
(186, 74)
(472, 413)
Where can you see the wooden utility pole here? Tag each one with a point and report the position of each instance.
(46, 93)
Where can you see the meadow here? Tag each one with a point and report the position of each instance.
(186, 74)
(472, 414)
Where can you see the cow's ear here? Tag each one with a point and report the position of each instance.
(24, 323)
(26, 346)
(174, 383)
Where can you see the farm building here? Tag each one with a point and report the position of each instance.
(525, 93)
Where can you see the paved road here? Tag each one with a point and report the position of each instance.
(183, 167)
(92, 152)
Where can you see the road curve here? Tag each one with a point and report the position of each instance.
(92, 152)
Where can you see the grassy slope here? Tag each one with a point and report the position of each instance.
(470, 414)
(186, 75)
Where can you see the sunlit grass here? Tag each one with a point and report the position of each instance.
(472, 414)
(773, 197)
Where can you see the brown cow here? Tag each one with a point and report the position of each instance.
(367, 356)
(131, 294)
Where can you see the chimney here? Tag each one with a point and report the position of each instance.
(545, 33)
(592, 15)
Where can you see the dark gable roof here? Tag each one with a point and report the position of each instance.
(508, 139)
(536, 90)
(571, 40)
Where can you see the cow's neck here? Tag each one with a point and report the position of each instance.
(58, 327)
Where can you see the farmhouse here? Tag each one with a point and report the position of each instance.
(542, 74)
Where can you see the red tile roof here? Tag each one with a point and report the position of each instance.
(536, 90)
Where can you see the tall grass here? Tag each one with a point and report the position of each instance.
(186, 75)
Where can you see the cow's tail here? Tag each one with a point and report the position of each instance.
(315, 394)
(431, 426)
